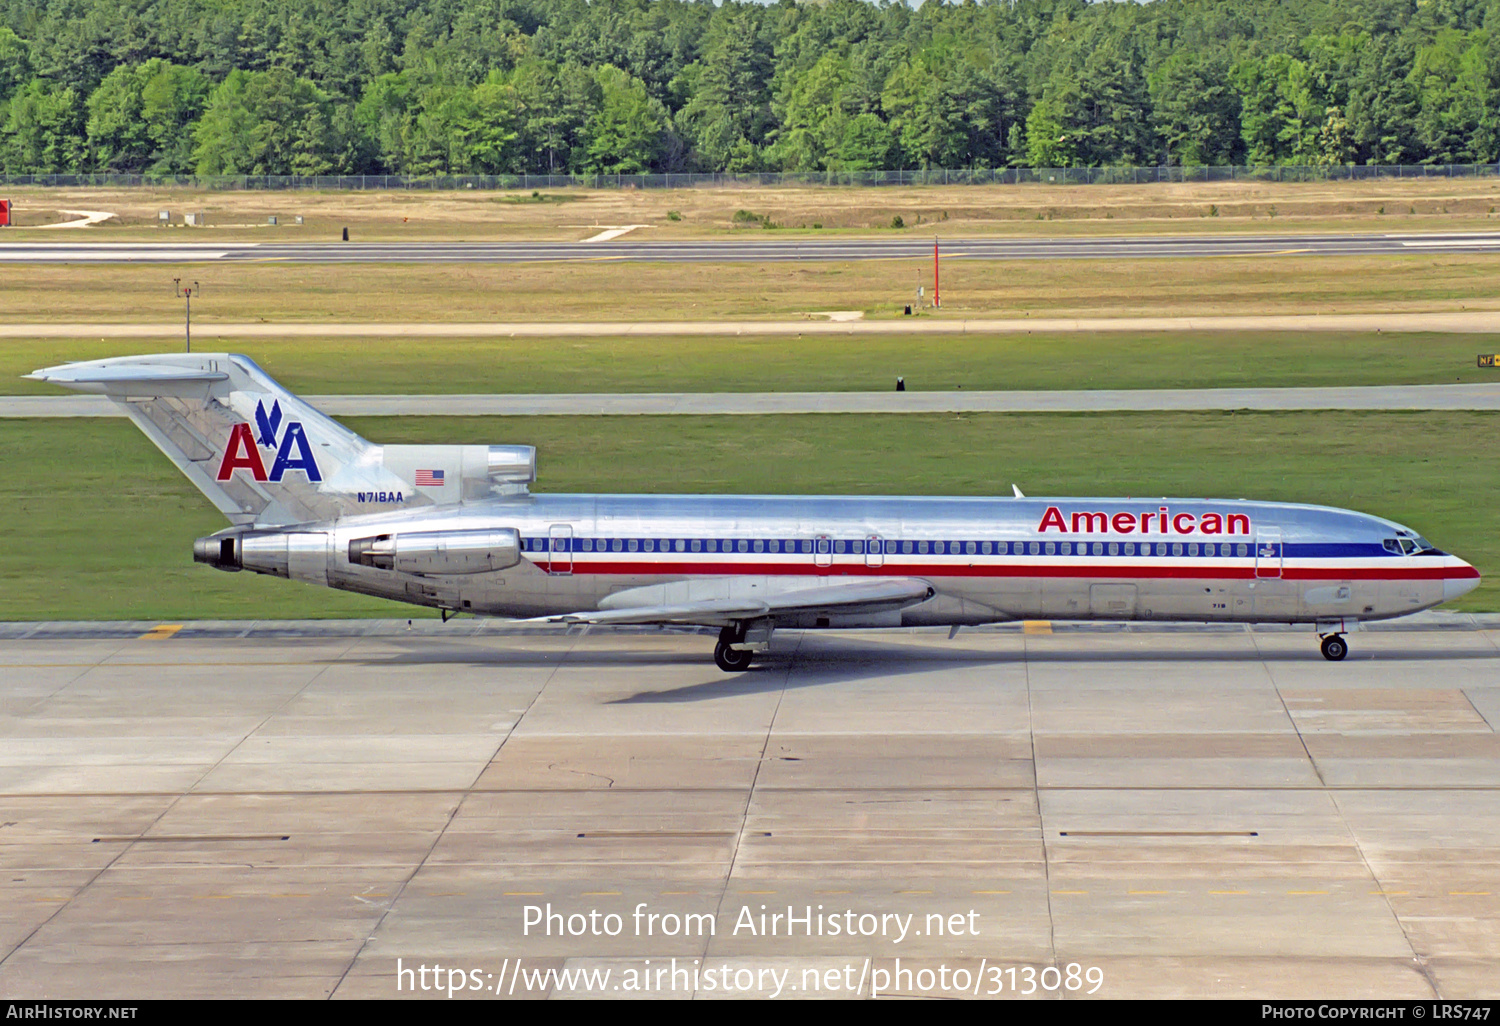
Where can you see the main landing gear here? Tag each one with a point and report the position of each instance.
(1334, 647)
(732, 660)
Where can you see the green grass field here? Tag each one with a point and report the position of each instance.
(614, 290)
(821, 363)
(98, 525)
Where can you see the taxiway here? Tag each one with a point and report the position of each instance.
(287, 809)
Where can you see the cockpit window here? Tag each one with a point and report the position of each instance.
(1411, 546)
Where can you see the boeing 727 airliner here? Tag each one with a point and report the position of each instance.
(455, 527)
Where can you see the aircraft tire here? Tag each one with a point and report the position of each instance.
(731, 660)
(1335, 648)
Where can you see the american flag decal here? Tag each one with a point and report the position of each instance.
(429, 479)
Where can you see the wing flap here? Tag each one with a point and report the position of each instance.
(841, 598)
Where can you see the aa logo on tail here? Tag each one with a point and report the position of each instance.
(293, 451)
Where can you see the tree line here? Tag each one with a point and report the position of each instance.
(621, 86)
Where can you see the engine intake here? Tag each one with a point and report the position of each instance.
(439, 552)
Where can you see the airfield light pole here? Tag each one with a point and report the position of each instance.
(187, 324)
(937, 295)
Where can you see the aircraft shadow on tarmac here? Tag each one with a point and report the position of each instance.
(830, 660)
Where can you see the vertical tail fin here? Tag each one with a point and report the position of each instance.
(259, 453)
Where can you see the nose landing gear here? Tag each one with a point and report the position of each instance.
(732, 660)
(1334, 647)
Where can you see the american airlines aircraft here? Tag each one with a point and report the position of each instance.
(456, 528)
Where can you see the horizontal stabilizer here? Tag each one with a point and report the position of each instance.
(130, 379)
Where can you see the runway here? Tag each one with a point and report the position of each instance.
(285, 810)
(627, 404)
(907, 246)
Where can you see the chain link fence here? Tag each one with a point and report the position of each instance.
(771, 179)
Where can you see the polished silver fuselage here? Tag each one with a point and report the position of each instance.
(987, 559)
(455, 527)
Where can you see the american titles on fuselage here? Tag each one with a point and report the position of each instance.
(1165, 521)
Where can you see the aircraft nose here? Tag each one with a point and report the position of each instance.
(1461, 580)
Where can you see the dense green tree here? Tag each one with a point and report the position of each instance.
(626, 134)
(946, 112)
(15, 63)
(385, 118)
(1281, 115)
(1095, 113)
(813, 118)
(1382, 104)
(1196, 109)
(1455, 80)
(141, 118)
(266, 123)
(729, 115)
(557, 103)
(440, 86)
(43, 130)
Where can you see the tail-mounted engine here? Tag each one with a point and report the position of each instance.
(455, 473)
(439, 552)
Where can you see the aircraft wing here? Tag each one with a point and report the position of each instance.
(834, 598)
